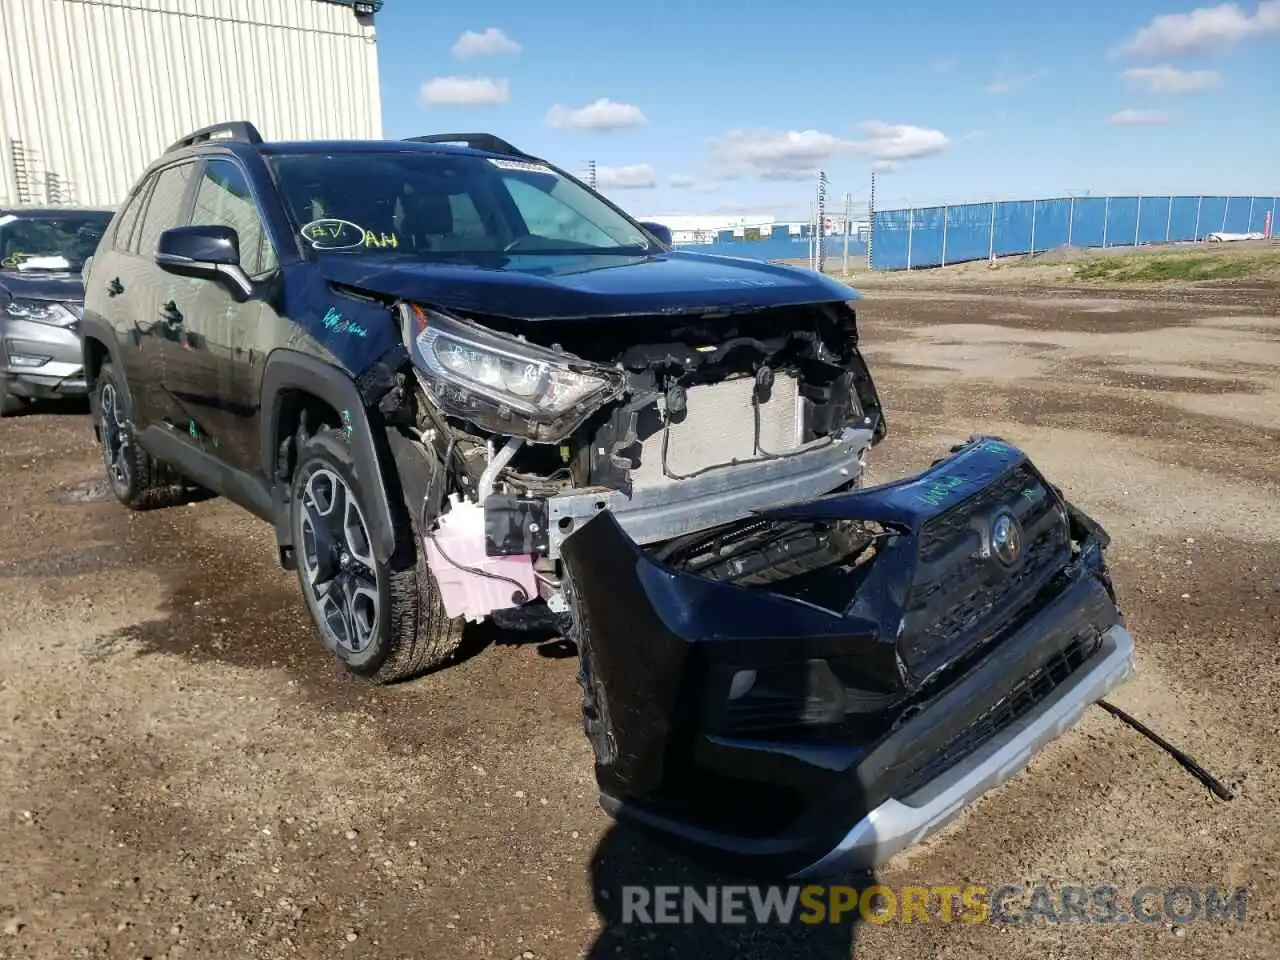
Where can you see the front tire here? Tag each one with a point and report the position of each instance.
(384, 621)
(10, 403)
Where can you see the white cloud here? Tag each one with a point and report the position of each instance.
(800, 154)
(602, 115)
(944, 64)
(490, 43)
(636, 176)
(1130, 117)
(1203, 30)
(770, 155)
(473, 91)
(1165, 79)
(681, 181)
(1009, 84)
(899, 141)
(884, 166)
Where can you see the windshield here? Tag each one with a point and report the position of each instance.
(72, 236)
(448, 207)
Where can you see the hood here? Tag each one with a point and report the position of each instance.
(588, 287)
(39, 285)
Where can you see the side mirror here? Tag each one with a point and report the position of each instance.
(660, 231)
(209, 251)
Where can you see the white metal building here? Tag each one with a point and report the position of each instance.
(91, 91)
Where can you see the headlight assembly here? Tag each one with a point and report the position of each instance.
(503, 384)
(41, 311)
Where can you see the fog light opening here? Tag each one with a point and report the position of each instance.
(27, 360)
(741, 684)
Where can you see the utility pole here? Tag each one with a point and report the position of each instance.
(813, 254)
(848, 216)
(591, 174)
(871, 219)
(822, 220)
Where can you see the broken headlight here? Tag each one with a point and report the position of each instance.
(505, 385)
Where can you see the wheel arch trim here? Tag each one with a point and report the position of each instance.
(288, 370)
(93, 328)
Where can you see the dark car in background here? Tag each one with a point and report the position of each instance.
(461, 385)
(42, 253)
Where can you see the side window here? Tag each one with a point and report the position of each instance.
(223, 199)
(164, 209)
(129, 216)
(545, 216)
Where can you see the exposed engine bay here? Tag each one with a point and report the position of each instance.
(681, 496)
(681, 425)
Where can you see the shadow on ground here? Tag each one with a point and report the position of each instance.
(628, 858)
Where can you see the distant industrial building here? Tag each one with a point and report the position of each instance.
(92, 91)
(719, 228)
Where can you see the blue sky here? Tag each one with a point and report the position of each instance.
(731, 107)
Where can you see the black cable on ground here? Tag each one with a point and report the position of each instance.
(1200, 773)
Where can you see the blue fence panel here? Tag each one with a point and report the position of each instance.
(1088, 221)
(1153, 219)
(1237, 215)
(1122, 222)
(1182, 219)
(1264, 206)
(1213, 216)
(926, 236)
(1052, 224)
(1013, 227)
(969, 232)
(889, 240)
(1258, 213)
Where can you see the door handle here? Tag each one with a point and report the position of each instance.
(171, 314)
(114, 287)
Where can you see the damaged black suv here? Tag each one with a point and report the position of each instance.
(462, 386)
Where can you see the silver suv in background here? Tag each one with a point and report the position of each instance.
(42, 253)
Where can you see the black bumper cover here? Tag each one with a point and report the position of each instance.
(659, 647)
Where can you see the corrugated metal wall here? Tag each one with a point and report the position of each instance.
(92, 91)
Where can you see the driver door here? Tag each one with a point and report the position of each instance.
(222, 349)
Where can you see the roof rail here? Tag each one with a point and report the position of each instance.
(476, 141)
(241, 130)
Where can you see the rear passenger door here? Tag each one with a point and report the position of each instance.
(158, 301)
(107, 296)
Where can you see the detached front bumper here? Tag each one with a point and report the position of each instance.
(788, 785)
(41, 361)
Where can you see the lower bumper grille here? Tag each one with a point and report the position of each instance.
(1031, 691)
(720, 428)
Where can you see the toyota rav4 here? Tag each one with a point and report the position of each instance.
(461, 385)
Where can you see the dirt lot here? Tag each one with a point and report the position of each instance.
(183, 773)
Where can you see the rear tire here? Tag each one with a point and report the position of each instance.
(137, 479)
(384, 621)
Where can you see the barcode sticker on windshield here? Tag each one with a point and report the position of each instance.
(520, 165)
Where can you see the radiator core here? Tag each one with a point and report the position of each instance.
(719, 428)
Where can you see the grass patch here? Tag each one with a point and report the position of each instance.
(1187, 267)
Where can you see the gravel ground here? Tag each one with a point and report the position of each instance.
(183, 773)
